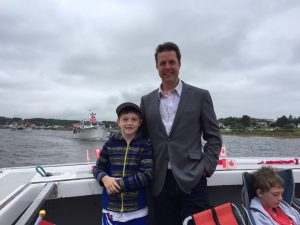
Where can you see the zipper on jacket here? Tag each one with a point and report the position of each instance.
(123, 174)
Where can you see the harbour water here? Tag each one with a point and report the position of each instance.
(44, 147)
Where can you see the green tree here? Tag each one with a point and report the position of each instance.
(282, 121)
(246, 121)
(229, 121)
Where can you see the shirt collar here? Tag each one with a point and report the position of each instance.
(178, 89)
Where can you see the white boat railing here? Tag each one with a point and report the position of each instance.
(33, 209)
(12, 195)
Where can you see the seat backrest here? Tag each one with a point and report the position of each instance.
(249, 216)
(225, 214)
(248, 191)
(204, 218)
(289, 185)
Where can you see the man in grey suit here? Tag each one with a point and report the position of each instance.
(176, 116)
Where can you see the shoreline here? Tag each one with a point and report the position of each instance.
(287, 135)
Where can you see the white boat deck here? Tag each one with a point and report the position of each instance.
(10, 182)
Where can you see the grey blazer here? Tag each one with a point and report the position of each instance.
(195, 117)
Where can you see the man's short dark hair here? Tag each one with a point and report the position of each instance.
(168, 46)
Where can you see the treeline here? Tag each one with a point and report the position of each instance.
(247, 122)
(37, 121)
(52, 122)
(7, 121)
(286, 122)
(230, 122)
(47, 122)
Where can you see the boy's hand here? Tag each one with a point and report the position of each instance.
(111, 185)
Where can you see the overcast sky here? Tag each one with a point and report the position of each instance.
(60, 58)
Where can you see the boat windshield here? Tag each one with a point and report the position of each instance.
(86, 123)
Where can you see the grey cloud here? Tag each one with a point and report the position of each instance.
(59, 58)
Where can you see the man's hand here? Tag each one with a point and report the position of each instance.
(111, 185)
(205, 174)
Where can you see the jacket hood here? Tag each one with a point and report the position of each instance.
(255, 204)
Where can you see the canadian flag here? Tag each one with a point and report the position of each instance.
(231, 163)
(223, 163)
(223, 152)
(40, 220)
(88, 155)
(45, 222)
(97, 152)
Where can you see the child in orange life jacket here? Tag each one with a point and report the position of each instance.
(124, 169)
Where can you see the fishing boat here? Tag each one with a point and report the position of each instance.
(90, 129)
(70, 194)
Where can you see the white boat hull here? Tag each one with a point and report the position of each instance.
(21, 128)
(98, 133)
(77, 199)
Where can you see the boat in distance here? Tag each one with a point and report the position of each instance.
(71, 195)
(26, 126)
(90, 129)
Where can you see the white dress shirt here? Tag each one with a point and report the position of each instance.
(168, 107)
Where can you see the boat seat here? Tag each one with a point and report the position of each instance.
(225, 214)
(248, 192)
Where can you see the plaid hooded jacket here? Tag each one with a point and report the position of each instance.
(132, 164)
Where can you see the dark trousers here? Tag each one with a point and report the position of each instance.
(172, 205)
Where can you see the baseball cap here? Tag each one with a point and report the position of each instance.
(128, 105)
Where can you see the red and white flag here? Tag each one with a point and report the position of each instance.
(231, 163)
(40, 220)
(223, 163)
(97, 152)
(223, 152)
(45, 222)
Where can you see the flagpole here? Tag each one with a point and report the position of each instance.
(88, 158)
(42, 214)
